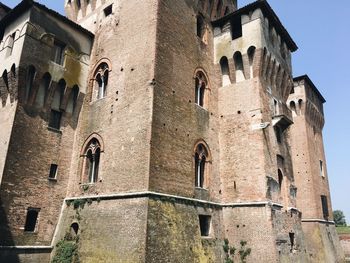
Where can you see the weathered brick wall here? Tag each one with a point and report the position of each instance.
(178, 123)
(123, 117)
(112, 231)
(32, 146)
(173, 233)
(307, 151)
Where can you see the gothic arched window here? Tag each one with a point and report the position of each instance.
(201, 89)
(101, 78)
(201, 157)
(92, 160)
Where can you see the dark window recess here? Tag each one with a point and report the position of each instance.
(324, 207)
(236, 28)
(31, 220)
(292, 241)
(279, 134)
(53, 171)
(204, 223)
(200, 27)
(55, 119)
(108, 10)
(58, 52)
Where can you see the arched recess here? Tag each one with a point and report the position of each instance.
(225, 71)
(202, 88)
(280, 179)
(251, 55)
(292, 107)
(239, 69)
(5, 79)
(300, 106)
(202, 162)
(42, 93)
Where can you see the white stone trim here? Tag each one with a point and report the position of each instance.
(317, 220)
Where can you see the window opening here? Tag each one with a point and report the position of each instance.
(200, 26)
(280, 179)
(324, 207)
(74, 229)
(55, 119)
(236, 28)
(200, 90)
(101, 78)
(58, 52)
(53, 171)
(321, 169)
(204, 224)
(31, 220)
(292, 241)
(93, 160)
(201, 156)
(108, 10)
(279, 134)
(11, 43)
(5, 78)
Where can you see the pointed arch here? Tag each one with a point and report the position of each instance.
(43, 90)
(202, 161)
(251, 55)
(201, 88)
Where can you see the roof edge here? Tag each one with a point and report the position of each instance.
(24, 5)
(311, 84)
(7, 8)
(267, 11)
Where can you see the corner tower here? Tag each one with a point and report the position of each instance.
(252, 53)
(309, 163)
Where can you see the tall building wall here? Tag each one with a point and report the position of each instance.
(311, 173)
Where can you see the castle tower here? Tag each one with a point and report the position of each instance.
(314, 200)
(253, 56)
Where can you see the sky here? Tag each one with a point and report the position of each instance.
(322, 33)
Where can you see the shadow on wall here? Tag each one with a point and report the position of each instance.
(6, 239)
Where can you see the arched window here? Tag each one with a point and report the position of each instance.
(251, 54)
(78, 4)
(29, 82)
(292, 107)
(201, 89)
(101, 77)
(43, 90)
(225, 71)
(239, 66)
(92, 160)
(200, 159)
(72, 101)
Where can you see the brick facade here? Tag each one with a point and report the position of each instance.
(157, 80)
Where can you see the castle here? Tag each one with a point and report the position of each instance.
(159, 131)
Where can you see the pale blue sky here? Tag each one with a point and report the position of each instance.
(322, 32)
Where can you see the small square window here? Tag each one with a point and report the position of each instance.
(53, 171)
(31, 220)
(55, 119)
(108, 10)
(204, 223)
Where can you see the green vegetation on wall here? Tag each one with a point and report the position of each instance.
(231, 255)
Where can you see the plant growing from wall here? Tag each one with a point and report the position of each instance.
(67, 251)
(230, 252)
